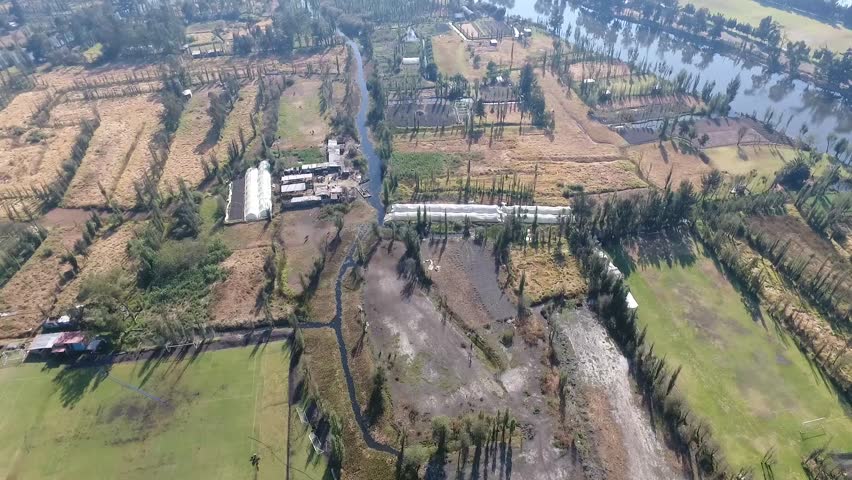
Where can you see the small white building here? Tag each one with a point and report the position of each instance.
(494, 42)
(410, 36)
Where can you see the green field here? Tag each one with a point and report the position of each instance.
(215, 410)
(764, 160)
(795, 26)
(426, 165)
(741, 372)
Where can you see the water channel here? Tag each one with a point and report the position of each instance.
(822, 112)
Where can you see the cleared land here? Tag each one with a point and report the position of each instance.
(745, 376)
(133, 420)
(191, 142)
(452, 55)
(795, 26)
(300, 123)
(118, 153)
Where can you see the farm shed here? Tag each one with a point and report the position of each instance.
(70, 342)
(494, 42)
(293, 188)
(44, 342)
(335, 151)
(411, 61)
(410, 36)
(297, 178)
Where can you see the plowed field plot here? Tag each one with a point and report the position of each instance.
(742, 374)
(118, 153)
(34, 158)
(197, 416)
(191, 143)
(35, 286)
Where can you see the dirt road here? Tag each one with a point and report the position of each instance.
(604, 369)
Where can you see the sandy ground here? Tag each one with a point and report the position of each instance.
(118, 153)
(26, 164)
(656, 161)
(619, 417)
(432, 371)
(191, 143)
(237, 300)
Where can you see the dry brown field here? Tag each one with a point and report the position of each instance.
(547, 275)
(18, 112)
(583, 70)
(240, 116)
(107, 252)
(118, 154)
(26, 164)
(237, 301)
(191, 144)
(656, 161)
(33, 290)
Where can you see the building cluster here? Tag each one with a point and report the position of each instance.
(313, 184)
(59, 337)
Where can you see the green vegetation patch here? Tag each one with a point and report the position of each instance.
(426, 165)
(199, 417)
(94, 53)
(741, 372)
(760, 161)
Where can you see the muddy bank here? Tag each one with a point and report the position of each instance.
(626, 443)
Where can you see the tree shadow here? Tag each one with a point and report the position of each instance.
(73, 382)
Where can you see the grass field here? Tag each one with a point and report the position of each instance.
(795, 26)
(741, 372)
(426, 165)
(300, 123)
(70, 423)
(764, 160)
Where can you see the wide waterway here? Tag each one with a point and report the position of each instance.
(822, 112)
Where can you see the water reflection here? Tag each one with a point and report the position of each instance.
(799, 102)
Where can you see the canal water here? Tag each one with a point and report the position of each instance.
(822, 112)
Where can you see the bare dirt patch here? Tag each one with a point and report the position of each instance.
(629, 445)
(191, 142)
(468, 280)
(237, 301)
(304, 235)
(118, 153)
(432, 371)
